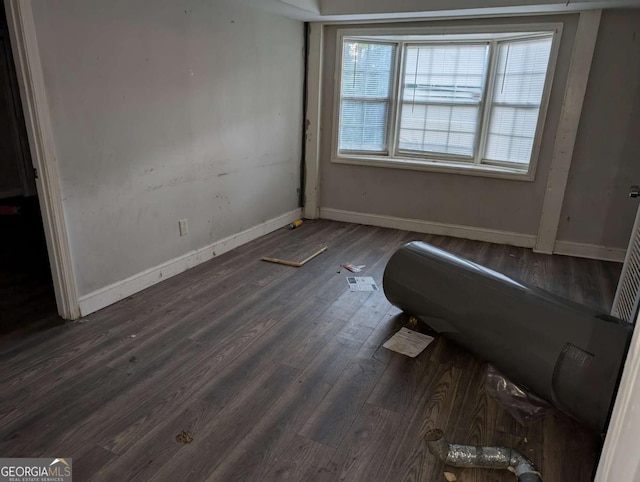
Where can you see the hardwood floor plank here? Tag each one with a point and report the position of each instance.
(300, 460)
(36, 429)
(269, 440)
(95, 402)
(309, 343)
(290, 289)
(195, 317)
(572, 459)
(409, 458)
(388, 325)
(278, 373)
(148, 454)
(142, 308)
(476, 424)
(331, 421)
(118, 423)
(362, 451)
(229, 427)
(91, 460)
(401, 382)
(366, 320)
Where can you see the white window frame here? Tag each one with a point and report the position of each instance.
(398, 159)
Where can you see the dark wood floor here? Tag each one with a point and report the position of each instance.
(277, 373)
(27, 302)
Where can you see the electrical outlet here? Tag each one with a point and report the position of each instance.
(184, 227)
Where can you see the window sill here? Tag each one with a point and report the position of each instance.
(448, 167)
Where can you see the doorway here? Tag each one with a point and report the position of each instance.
(27, 300)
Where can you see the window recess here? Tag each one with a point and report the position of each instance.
(473, 102)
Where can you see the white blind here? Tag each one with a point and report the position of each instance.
(365, 95)
(442, 90)
(517, 92)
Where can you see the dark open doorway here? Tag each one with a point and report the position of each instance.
(27, 301)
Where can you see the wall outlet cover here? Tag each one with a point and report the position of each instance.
(183, 226)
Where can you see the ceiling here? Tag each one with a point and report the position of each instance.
(358, 10)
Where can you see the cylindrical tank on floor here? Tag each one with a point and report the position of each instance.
(564, 352)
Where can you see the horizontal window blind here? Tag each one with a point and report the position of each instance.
(366, 91)
(469, 99)
(520, 76)
(442, 91)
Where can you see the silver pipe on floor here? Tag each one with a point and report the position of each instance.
(482, 457)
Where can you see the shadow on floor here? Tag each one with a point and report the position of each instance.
(27, 302)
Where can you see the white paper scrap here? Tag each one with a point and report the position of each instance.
(358, 283)
(408, 342)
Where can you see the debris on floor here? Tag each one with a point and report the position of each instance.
(184, 437)
(296, 224)
(366, 283)
(354, 268)
(408, 342)
(524, 406)
(295, 264)
(456, 455)
(450, 477)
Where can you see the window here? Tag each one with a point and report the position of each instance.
(466, 101)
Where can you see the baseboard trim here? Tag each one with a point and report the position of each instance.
(121, 289)
(592, 251)
(431, 227)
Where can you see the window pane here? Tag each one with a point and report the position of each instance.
(365, 95)
(511, 132)
(438, 128)
(521, 71)
(363, 125)
(517, 92)
(444, 73)
(442, 90)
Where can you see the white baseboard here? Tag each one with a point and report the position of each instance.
(567, 248)
(593, 251)
(121, 289)
(430, 227)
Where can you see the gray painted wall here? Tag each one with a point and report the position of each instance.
(606, 159)
(163, 110)
(500, 204)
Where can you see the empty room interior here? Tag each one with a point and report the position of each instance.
(318, 240)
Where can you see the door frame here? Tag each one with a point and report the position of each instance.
(24, 46)
(620, 453)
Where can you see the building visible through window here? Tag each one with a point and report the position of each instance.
(462, 99)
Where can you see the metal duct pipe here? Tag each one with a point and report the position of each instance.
(565, 353)
(482, 457)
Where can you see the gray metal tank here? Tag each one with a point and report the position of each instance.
(564, 352)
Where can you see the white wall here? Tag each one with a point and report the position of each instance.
(163, 110)
(606, 159)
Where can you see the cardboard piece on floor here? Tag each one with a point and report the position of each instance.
(295, 264)
(408, 342)
(358, 283)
